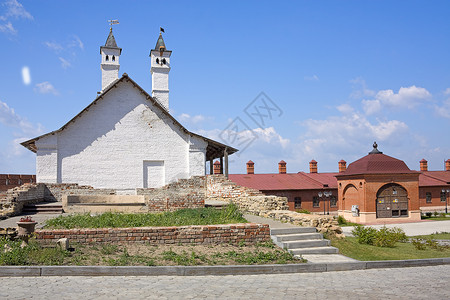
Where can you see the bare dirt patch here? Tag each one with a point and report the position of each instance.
(134, 254)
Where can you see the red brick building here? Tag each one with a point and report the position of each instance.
(364, 183)
(9, 181)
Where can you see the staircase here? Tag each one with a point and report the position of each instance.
(43, 208)
(302, 240)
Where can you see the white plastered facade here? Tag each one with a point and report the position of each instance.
(119, 142)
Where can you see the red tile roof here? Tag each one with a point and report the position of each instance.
(434, 178)
(293, 181)
(375, 164)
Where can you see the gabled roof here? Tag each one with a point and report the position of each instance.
(290, 181)
(434, 178)
(213, 150)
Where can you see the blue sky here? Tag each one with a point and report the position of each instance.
(342, 74)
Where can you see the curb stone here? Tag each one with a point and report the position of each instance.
(22, 271)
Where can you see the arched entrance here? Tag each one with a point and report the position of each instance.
(392, 201)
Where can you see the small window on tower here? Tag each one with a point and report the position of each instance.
(114, 58)
(157, 60)
(164, 61)
(107, 58)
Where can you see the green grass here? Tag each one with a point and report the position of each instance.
(182, 217)
(436, 216)
(435, 236)
(350, 247)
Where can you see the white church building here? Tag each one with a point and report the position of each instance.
(126, 138)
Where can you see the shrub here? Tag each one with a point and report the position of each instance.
(418, 244)
(364, 235)
(428, 214)
(303, 211)
(341, 220)
(384, 237)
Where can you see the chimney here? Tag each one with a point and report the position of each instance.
(282, 167)
(342, 166)
(423, 165)
(250, 167)
(447, 165)
(313, 166)
(216, 167)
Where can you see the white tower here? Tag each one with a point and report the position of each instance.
(160, 68)
(110, 60)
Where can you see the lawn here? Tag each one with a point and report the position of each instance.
(182, 217)
(351, 248)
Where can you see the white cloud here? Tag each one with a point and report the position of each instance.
(15, 10)
(54, 46)
(77, 43)
(311, 78)
(407, 97)
(345, 108)
(64, 63)
(8, 117)
(360, 88)
(26, 77)
(191, 119)
(266, 148)
(45, 88)
(444, 110)
(8, 28)
(343, 134)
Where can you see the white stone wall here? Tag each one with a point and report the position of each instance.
(160, 77)
(110, 67)
(107, 146)
(197, 156)
(47, 159)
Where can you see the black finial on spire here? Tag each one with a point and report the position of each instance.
(375, 149)
(161, 29)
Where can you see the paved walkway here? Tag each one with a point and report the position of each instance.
(412, 229)
(40, 218)
(404, 283)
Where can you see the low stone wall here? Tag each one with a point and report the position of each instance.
(16, 198)
(192, 235)
(324, 224)
(10, 181)
(185, 193)
(104, 203)
(55, 191)
(220, 187)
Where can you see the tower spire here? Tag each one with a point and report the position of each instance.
(110, 53)
(160, 68)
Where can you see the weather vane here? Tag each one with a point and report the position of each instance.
(113, 22)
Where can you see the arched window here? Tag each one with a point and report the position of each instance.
(113, 58)
(157, 60)
(107, 58)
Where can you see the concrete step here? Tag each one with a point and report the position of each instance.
(315, 250)
(292, 230)
(306, 244)
(299, 236)
(45, 208)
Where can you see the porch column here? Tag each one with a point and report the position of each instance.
(225, 154)
(211, 165)
(221, 165)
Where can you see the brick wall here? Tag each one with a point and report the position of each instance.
(208, 234)
(9, 181)
(185, 193)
